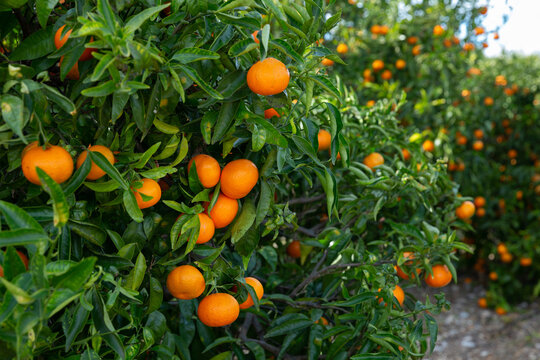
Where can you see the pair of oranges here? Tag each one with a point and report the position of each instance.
(60, 38)
(186, 282)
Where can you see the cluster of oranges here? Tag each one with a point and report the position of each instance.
(60, 38)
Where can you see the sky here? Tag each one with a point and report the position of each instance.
(521, 33)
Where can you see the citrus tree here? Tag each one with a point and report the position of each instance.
(186, 180)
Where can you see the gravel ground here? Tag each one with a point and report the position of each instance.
(467, 332)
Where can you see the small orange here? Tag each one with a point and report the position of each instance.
(507, 258)
(525, 261)
(501, 248)
(483, 10)
(438, 30)
(493, 276)
(428, 146)
(519, 195)
(482, 302)
(465, 210)
(411, 40)
(375, 29)
(224, 211)
(150, 188)
(474, 71)
(480, 201)
(324, 139)
(400, 64)
(377, 65)
(370, 103)
(327, 62)
(386, 75)
(268, 77)
(468, 46)
(500, 80)
(478, 133)
(185, 282)
(399, 294)
(208, 169)
(206, 229)
(441, 276)
(238, 178)
(218, 309)
(488, 101)
(95, 171)
(481, 212)
(478, 145)
(24, 259)
(416, 50)
(383, 30)
(496, 36)
(401, 273)
(270, 113)
(259, 290)
(465, 93)
(54, 160)
(512, 153)
(293, 249)
(373, 160)
(323, 321)
(255, 38)
(500, 310)
(342, 49)
(406, 154)
(479, 30)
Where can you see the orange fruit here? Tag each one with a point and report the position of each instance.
(465, 210)
(428, 146)
(468, 46)
(416, 50)
(438, 30)
(95, 171)
(400, 272)
(386, 75)
(373, 160)
(465, 93)
(208, 169)
(400, 64)
(370, 103)
(501, 248)
(488, 101)
(323, 321)
(441, 276)
(342, 49)
(512, 153)
(185, 282)
(525, 261)
(377, 65)
(399, 294)
(474, 71)
(447, 43)
(478, 133)
(375, 29)
(383, 29)
(60, 40)
(483, 10)
(224, 211)
(479, 30)
(259, 290)
(54, 160)
(479, 201)
(519, 195)
(238, 178)
(255, 38)
(481, 212)
(73, 74)
(268, 77)
(293, 249)
(478, 145)
(206, 229)
(150, 188)
(507, 258)
(29, 147)
(500, 80)
(496, 36)
(218, 309)
(411, 40)
(482, 302)
(24, 259)
(493, 276)
(461, 140)
(327, 62)
(500, 310)
(406, 154)
(270, 113)
(324, 138)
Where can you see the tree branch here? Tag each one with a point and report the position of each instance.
(306, 200)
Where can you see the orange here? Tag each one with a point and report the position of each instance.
(500, 310)
(323, 321)
(370, 103)
(512, 153)
(208, 169)
(461, 140)
(324, 138)
(224, 211)
(400, 64)
(488, 101)
(411, 40)
(478, 145)
(479, 201)
(270, 113)
(406, 154)
(465, 93)
(255, 38)
(428, 146)
(185, 282)
(399, 294)
(447, 43)
(375, 29)
(95, 171)
(377, 65)
(327, 62)
(483, 10)
(268, 77)
(507, 258)
(441, 276)
(73, 74)
(502, 249)
(238, 178)
(373, 160)
(468, 46)
(60, 40)
(496, 36)
(465, 210)
(342, 49)
(474, 71)
(150, 188)
(500, 80)
(525, 261)
(481, 212)
(386, 75)
(218, 309)
(28, 147)
(493, 276)
(438, 30)
(259, 290)
(482, 302)
(383, 29)
(401, 273)
(54, 160)
(293, 249)
(479, 30)
(206, 229)
(455, 40)
(519, 195)
(24, 259)
(416, 50)
(478, 133)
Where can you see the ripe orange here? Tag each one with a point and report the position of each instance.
(373, 160)
(238, 178)
(206, 229)
(60, 40)
(465, 93)
(377, 65)
(500, 80)
(208, 169)
(29, 147)
(480, 201)
(24, 259)
(327, 62)
(478, 145)
(383, 29)
(501, 248)
(496, 36)
(185, 282)
(400, 64)
(399, 294)
(323, 321)
(324, 139)
(428, 146)
(293, 249)
(416, 50)
(482, 302)
(519, 195)
(224, 211)
(259, 290)
(255, 38)
(488, 101)
(370, 103)
(386, 75)
(506, 258)
(493, 276)
(500, 310)
(512, 153)
(268, 77)
(481, 212)
(483, 10)
(474, 71)
(468, 46)
(54, 160)
(270, 113)
(406, 154)
(218, 309)
(375, 29)
(447, 43)
(525, 261)
(411, 40)
(438, 30)
(401, 273)
(441, 276)
(150, 188)
(342, 49)
(478, 133)
(465, 210)
(479, 30)
(95, 171)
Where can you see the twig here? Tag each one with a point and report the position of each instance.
(305, 200)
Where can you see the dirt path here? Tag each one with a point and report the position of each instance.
(467, 332)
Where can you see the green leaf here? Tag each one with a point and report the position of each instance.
(104, 326)
(77, 323)
(13, 113)
(165, 128)
(60, 205)
(104, 89)
(102, 66)
(236, 4)
(193, 75)
(109, 168)
(106, 186)
(295, 323)
(22, 237)
(21, 296)
(207, 122)
(37, 45)
(287, 50)
(59, 300)
(136, 21)
(243, 221)
(242, 47)
(65, 104)
(156, 295)
(136, 275)
(225, 119)
(79, 176)
(13, 264)
(90, 232)
(188, 55)
(130, 202)
(147, 155)
(326, 85)
(265, 200)
(77, 275)
(17, 218)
